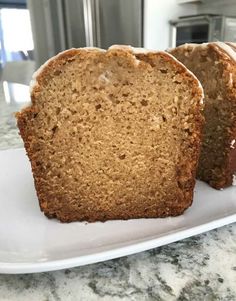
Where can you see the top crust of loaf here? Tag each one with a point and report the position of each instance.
(60, 58)
(226, 50)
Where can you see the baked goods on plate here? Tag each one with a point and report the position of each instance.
(113, 134)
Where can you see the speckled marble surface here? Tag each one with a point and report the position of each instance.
(199, 268)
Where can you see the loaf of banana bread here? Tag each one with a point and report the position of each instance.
(113, 134)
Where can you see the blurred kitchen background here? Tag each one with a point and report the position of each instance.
(31, 31)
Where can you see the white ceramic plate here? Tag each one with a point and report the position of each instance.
(29, 242)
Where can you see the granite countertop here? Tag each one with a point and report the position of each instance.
(202, 267)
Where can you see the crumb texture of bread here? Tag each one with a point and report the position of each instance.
(215, 66)
(113, 134)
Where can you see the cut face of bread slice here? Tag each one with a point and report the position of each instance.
(214, 64)
(113, 134)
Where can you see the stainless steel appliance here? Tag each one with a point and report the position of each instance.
(62, 24)
(202, 28)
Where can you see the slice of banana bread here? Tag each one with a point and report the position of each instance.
(113, 134)
(214, 64)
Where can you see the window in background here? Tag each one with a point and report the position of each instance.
(16, 35)
(16, 51)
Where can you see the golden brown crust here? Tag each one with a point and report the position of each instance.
(174, 204)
